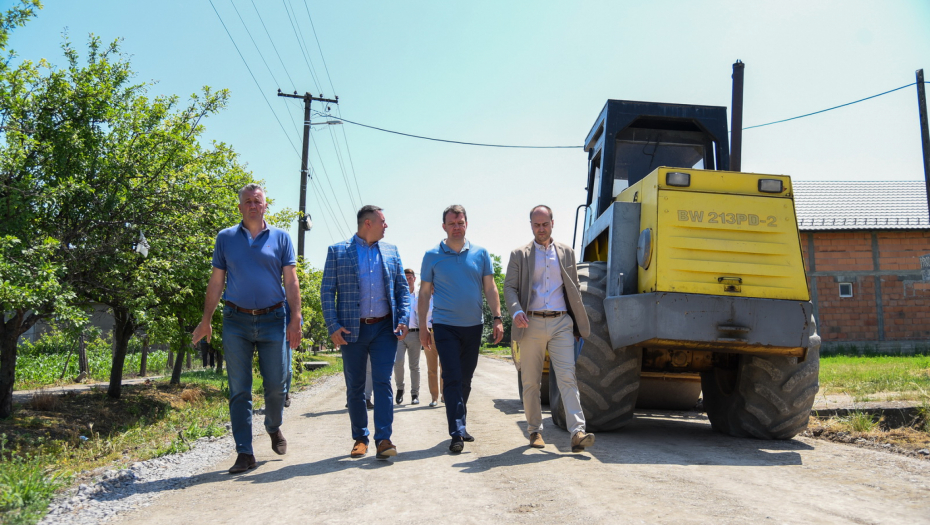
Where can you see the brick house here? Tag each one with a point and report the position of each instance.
(866, 249)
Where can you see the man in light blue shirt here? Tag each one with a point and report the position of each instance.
(458, 271)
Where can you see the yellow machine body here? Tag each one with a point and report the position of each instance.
(720, 235)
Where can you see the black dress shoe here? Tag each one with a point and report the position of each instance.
(400, 396)
(278, 443)
(369, 404)
(457, 445)
(467, 437)
(287, 400)
(243, 462)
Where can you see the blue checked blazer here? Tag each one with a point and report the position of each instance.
(340, 289)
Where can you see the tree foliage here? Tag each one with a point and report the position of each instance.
(91, 166)
(488, 329)
(314, 327)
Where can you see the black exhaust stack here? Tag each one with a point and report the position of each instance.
(736, 112)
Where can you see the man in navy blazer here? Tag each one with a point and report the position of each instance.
(366, 306)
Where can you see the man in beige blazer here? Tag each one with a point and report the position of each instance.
(542, 290)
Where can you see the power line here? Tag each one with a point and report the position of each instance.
(321, 197)
(351, 164)
(253, 78)
(300, 43)
(572, 147)
(450, 141)
(262, 56)
(319, 47)
(342, 167)
(338, 109)
(278, 84)
(329, 182)
(260, 89)
(293, 86)
(830, 109)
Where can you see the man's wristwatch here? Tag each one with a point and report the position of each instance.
(498, 318)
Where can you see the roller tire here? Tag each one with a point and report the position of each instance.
(766, 397)
(608, 379)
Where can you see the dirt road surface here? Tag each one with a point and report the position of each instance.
(663, 468)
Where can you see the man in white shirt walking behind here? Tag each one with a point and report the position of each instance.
(409, 346)
(542, 290)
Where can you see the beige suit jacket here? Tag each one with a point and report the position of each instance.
(517, 286)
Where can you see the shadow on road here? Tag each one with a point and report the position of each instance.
(511, 406)
(340, 463)
(686, 438)
(659, 437)
(518, 456)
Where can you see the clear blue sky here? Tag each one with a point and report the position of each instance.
(518, 72)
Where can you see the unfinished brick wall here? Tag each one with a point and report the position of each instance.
(866, 259)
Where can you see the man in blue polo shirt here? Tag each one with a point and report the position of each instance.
(250, 261)
(459, 272)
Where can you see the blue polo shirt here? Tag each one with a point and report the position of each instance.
(457, 279)
(254, 267)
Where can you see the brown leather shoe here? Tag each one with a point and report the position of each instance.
(386, 449)
(243, 462)
(278, 443)
(359, 449)
(580, 440)
(536, 440)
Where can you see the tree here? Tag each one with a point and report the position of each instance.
(314, 328)
(31, 281)
(105, 172)
(486, 310)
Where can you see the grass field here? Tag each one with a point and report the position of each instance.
(870, 378)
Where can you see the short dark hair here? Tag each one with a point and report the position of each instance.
(410, 271)
(541, 206)
(366, 210)
(454, 209)
(252, 187)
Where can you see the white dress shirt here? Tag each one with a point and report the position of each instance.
(547, 292)
(413, 322)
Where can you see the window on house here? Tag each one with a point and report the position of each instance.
(846, 290)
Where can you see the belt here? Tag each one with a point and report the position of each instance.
(545, 314)
(414, 330)
(372, 320)
(257, 311)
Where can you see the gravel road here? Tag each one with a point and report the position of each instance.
(665, 467)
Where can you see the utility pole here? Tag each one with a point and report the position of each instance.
(303, 222)
(924, 132)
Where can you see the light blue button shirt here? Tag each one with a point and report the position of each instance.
(372, 299)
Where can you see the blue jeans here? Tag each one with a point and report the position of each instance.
(458, 354)
(378, 342)
(243, 334)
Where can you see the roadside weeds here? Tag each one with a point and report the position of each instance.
(56, 441)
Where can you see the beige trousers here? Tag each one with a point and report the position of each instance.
(554, 334)
(434, 370)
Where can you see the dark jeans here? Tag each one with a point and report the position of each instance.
(378, 343)
(458, 354)
(243, 335)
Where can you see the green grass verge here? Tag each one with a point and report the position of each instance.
(43, 450)
(498, 350)
(905, 377)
